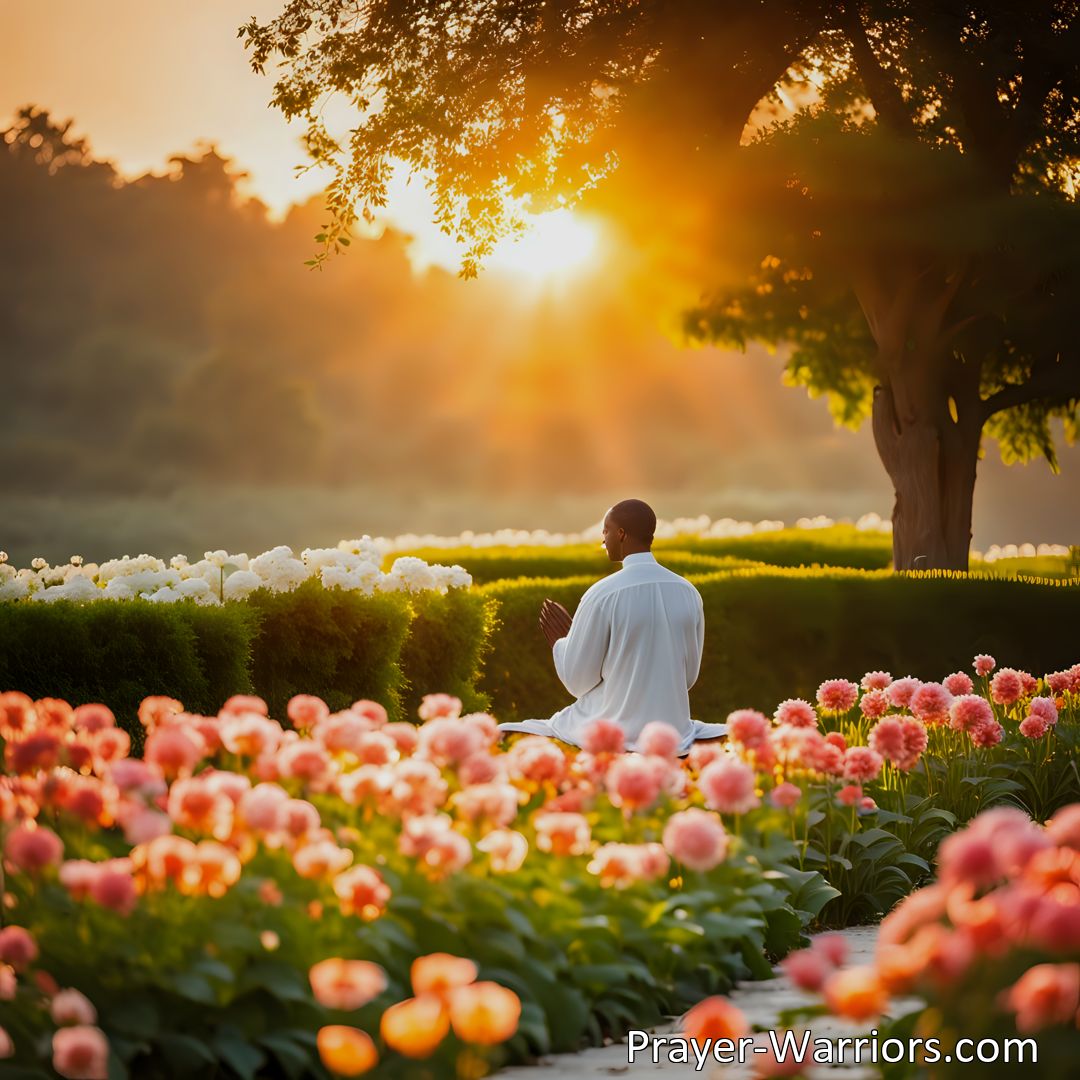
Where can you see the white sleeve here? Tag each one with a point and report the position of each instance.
(696, 646)
(579, 657)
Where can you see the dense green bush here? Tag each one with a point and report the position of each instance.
(487, 564)
(340, 645)
(838, 545)
(120, 652)
(337, 644)
(778, 633)
(446, 646)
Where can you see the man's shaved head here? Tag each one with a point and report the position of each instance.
(636, 517)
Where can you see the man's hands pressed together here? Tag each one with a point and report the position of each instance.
(554, 621)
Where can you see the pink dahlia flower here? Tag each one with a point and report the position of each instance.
(434, 706)
(861, 764)
(874, 704)
(837, 695)
(696, 838)
(33, 848)
(1006, 687)
(930, 703)
(80, 1053)
(796, 713)
(969, 711)
(748, 727)
(634, 782)
(901, 691)
(728, 786)
(603, 736)
(986, 735)
(875, 680)
(659, 739)
(1033, 726)
(785, 796)
(958, 683)
(1044, 707)
(984, 664)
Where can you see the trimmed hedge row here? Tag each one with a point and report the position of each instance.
(778, 633)
(487, 564)
(837, 545)
(341, 645)
(120, 652)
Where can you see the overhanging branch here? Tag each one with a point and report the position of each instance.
(1059, 381)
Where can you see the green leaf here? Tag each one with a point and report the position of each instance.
(243, 1058)
(185, 1054)
(293, 1060)
(285, 983)
(194, 987)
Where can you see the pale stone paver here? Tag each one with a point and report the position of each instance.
(761, 1002)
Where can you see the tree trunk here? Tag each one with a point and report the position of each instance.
(931, 460)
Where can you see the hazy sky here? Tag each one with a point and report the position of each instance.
(145, 79)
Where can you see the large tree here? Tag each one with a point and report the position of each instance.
(887, 189)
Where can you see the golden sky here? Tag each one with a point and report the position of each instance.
(146, 79)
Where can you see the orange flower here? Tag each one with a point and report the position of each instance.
(439, 973)
(856, 993)
(714, 1018)
(1044, 995)
(362, 891)
(898, 968)
(346, 1051)
(346, 984)
(215, 869)
(415, 1027)
(484, 1013)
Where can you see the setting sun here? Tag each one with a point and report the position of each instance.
(554, 244)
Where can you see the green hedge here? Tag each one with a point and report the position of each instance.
(120, 652)
(446, 647)
(337, 644)
(837, 545)
(487, 564)
(773, 634)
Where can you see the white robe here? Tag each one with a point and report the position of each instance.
(632, 655)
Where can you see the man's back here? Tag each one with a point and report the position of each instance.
(633, 651)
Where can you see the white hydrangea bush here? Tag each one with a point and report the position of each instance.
(354, 565)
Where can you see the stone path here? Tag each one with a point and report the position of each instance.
(761, 1002)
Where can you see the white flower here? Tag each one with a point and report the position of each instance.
(216, 558)
(242, 583)
(364, 577)
(14, 588)
(78, 588)
(39, 563)
(118, 589)
(167, 595)
(193, 588)
(279, 569)
(415, 574)
(76, 560)
(3, 556)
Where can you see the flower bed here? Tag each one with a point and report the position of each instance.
(990, 953)
(191, 896)
(354, 565)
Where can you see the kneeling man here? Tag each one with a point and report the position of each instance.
(632, 651)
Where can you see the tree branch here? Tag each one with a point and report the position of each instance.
(1059, 380)
(885, 95)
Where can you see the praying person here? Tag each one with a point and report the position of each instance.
(633, 649)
